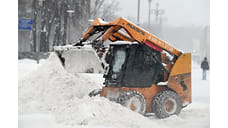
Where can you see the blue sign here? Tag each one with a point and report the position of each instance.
(25, 24)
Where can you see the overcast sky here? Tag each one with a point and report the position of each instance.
(177, 12)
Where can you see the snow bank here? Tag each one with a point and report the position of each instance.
(50, 89)
(50, 85)
(98, 111)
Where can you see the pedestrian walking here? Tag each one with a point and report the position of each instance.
(205, 67)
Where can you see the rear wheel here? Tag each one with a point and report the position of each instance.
(166, 103)
(133, 100)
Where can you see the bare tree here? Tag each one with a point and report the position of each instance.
(51, 19)
(34, 25)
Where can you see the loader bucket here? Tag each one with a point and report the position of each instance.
(79, 59)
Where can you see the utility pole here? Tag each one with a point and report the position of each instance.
(160, 26)
(158, 17)
(149, 11)
(138, 11)
(157, 12)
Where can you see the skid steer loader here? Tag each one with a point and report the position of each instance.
(142, 72)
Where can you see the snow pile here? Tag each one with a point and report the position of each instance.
(50, 85)
(98, 111)
(50, 89)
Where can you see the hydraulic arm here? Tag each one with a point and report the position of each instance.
(111, 31)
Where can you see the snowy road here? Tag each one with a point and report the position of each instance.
(51, 98)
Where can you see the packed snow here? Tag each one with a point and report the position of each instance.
(51, 97)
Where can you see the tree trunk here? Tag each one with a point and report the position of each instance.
(34, 25)
(44, 46)
(57, 25)
(65, 22)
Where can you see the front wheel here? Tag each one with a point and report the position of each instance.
(166, 103)
(134, 101)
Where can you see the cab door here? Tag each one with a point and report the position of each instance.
(116, 63)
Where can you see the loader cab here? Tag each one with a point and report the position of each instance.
(132, 65)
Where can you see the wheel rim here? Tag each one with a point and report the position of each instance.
(132, 107)
(134, 104)
(170, 106)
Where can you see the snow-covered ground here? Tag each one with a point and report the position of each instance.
(25, 66)
(50, 97)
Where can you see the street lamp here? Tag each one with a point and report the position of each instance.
(70, 12)
(157, 12)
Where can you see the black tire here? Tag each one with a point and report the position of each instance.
(133, 100)
(95, 92)
(166, 103)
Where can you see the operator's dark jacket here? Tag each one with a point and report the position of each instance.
(204, 65)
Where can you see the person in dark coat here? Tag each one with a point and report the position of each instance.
(205, 67)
